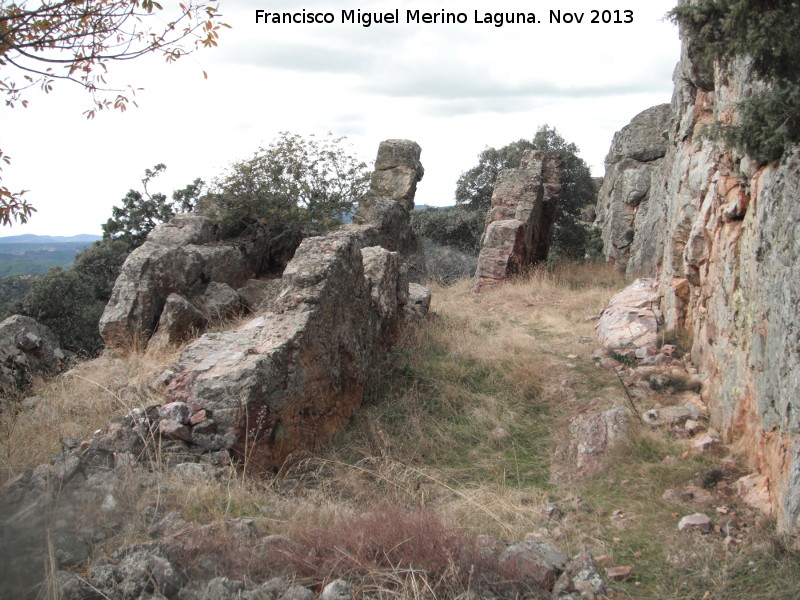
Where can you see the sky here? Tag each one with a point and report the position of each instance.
(453, 88)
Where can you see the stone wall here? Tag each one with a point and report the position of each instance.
(722, 236)
(520, 222)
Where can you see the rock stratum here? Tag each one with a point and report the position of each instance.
(719, 233)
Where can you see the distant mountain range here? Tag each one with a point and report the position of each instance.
(35, 254)
(31, 238)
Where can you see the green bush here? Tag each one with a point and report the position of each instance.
(142, 211)
(766, 32)
(299, 184)
(70, 302)
(458, 227)
(65, 302)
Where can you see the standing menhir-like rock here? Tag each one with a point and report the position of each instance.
(634, 172)
(519, 224)
(384, 217)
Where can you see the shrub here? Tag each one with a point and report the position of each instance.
(458, 227)
(294, 184)
(65, 301)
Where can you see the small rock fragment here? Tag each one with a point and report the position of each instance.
(696, 522)
(619, 573)
(173, 430)
(706, 441)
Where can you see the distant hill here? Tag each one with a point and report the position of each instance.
(36, 254)
(31, 238)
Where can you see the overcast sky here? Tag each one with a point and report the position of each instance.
(454, 89)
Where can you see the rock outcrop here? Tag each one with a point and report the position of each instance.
(179, 257)
(632, 317)
(520, 222)
(720, 235)
(384, 217)
(634, 173)
(28, 349)
(288, 379)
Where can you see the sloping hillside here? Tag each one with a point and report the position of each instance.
(467, 433)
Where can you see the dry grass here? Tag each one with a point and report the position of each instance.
(75, 404)
(456, 435)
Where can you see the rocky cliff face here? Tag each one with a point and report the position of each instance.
(722, 236)
(634, 172)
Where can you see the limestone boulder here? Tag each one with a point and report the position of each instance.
(28, 350)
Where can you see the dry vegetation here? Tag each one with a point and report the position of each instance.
(455, 440)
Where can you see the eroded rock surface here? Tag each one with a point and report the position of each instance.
(384, 217)
(634, 174)
(520, 222)
(631, 318)
(183, 257)
(28, 349)
(720, 236)
(288, 379)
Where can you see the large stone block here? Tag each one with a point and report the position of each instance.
(520, 222)
(288, 380)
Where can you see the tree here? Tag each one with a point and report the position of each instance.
(142, 211)
(295, 184)
(475, 187)
(456, 226)
(77, 40)
(768, 119)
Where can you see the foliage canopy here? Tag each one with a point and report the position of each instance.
(296, 183)
(456, 226)
(76, 40)
(766, 33)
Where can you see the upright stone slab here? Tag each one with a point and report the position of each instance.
(384, 217)
(519, 225)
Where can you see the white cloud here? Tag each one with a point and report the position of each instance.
(454, 89)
